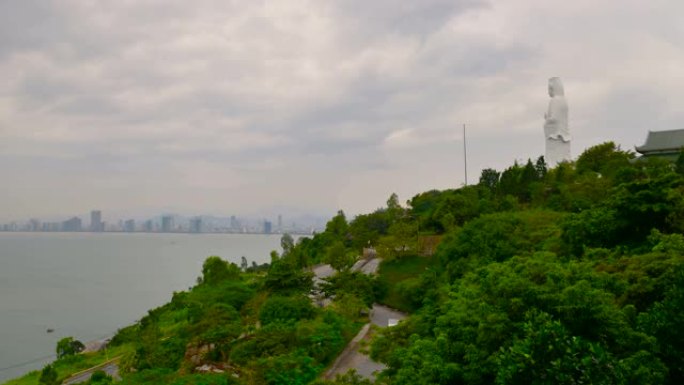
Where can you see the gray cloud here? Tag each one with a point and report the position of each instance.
(217, 106)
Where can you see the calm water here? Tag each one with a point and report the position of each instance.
(89, 285)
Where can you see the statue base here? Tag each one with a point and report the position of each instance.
(557, 151)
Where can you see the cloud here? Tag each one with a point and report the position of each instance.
(135, 104)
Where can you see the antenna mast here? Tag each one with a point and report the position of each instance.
(465, 155)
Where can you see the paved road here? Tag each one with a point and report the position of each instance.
(382, 314)
(352, 358)
(111, 368)
(365, 266)
(371, 267)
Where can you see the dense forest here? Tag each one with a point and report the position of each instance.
(536, 275)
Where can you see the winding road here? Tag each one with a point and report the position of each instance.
(111, 368)
(352, 357)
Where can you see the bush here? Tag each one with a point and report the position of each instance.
(295, 368)
(100, 377)
(286, 309)
(48, 376)
(355, 283)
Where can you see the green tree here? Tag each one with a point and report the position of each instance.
(286, 309)
(366, 229)
(605, 159)
(100, 377)
(541, 167)
(295, 368)
(423, 207)
(338, 228)
(457, 207)
(215, 270)
(287, 243)
(664, 321)
(352, 282)
(679, 163)
(219, 323)
(548, 354)
(509, 183)
(529, 173)
(48, 376)
(394, 209)
(489, 178)
(285, 276)
(349, 378)
(349, 306)
(338, 257)
(68, 346)
(402, 240)
(322, 337)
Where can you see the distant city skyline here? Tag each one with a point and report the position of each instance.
(168, 223)
(215, 107)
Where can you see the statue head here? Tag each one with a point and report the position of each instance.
(556, 87)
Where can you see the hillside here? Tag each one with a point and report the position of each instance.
(567, 275)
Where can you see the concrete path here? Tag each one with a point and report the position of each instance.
(371, 266)
(352, 358)
(366, 266)
(382, 316)
(111, 368)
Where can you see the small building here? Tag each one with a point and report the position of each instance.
(663, 144)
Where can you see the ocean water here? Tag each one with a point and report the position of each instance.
(88, 285)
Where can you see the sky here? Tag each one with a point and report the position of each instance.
(240, 107)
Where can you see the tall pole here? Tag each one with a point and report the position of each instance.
(465, 155)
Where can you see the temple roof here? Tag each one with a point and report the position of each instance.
(662, 142)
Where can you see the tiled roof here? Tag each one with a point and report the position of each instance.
(662, 141)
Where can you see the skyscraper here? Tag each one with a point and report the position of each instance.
(129, 225)
(196, 225)
(73, 224)
(96, 224)
(34, 225)
(280, 223)
(148, 226)
(167, 224)
(268, 227)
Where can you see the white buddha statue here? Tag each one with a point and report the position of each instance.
(556, 125)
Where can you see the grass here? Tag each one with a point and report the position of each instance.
(71, 365)
(397, 276)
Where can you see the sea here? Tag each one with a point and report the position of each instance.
(89, 285)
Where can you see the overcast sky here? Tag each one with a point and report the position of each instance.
(237, 107)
